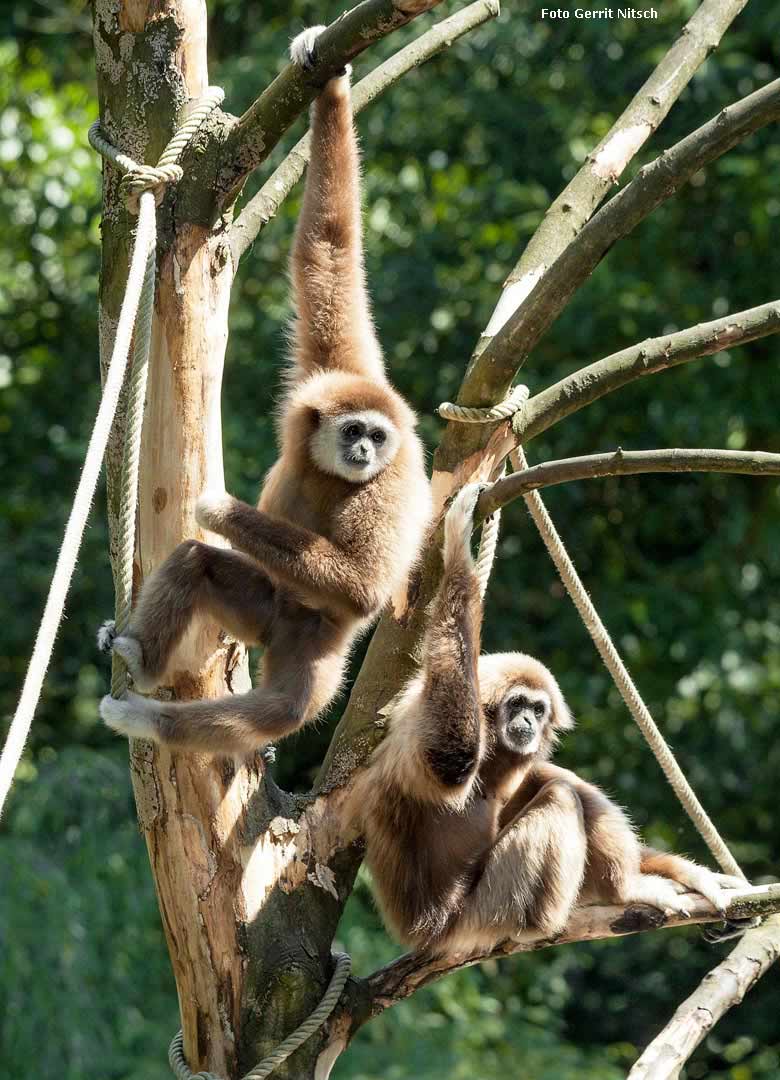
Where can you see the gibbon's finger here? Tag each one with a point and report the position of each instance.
(211, 503)
(133, 716)
(459, 522)
(303, 50)
(106, 635)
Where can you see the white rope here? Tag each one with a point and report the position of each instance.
(272, 1061)
(621, 678)
(141, 261)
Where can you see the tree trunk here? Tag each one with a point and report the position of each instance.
(201, 818)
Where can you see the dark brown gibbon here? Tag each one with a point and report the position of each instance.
(342, 513)
(472, 836)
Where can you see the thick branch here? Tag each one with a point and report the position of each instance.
(655, 354)
(652, 185)
(266, 120)
(265, 204)
(411, 972)
(720, 990)
(625, 463)
(579, 199)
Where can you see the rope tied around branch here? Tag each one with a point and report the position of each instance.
(463, 414)
(304, 1031)
(138, 179)
(598, 633)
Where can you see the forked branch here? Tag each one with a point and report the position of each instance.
(651, 186)
(579, 199)
(266, 120)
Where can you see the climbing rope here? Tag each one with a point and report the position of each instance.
(488, 541)
(601, 638)
(291, 1043)
(139, 299)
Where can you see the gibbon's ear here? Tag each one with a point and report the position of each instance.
(564, 720)
(315, 416)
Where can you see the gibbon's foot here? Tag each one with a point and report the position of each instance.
(459, 522)
(132, 715)
(211, 508)
(131, 652)
(656, 891)
(106, 636)
(303, 50)
(268, 754)
(713, 887)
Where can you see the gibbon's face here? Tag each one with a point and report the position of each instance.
(523, 704)
(523, 715)
(355, 446)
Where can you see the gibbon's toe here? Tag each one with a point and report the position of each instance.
(130, 651)
(106, 635)
(303, 47)
(730, 881)
(132, 716)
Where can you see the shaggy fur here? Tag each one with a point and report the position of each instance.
(472, 836)
(328, 544)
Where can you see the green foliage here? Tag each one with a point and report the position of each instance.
(461, 158)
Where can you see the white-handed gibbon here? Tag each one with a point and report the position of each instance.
(342, 514)
(472, 836)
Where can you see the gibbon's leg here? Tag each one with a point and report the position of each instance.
(532, 875)
(713, 887)
(195, 578)
(333, 326)
(302, 670)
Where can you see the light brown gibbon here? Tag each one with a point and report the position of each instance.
(472, 836)
(342, 514)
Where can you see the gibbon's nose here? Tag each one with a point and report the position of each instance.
(521, 725)
(362, 450)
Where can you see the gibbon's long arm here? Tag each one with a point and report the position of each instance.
(451, 729)
(294, 555)
(333, 326)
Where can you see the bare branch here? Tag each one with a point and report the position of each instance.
(651, 186)
(720, 990)
(646, 358)
(412, 971)
(579, 199)
(625, 463)
(265, 204)
(266, 120)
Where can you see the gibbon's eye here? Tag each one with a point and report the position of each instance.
(378, 437)
(353, 431)
(539, 710)
(515, 704)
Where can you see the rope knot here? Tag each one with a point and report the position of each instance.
(143, 178)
